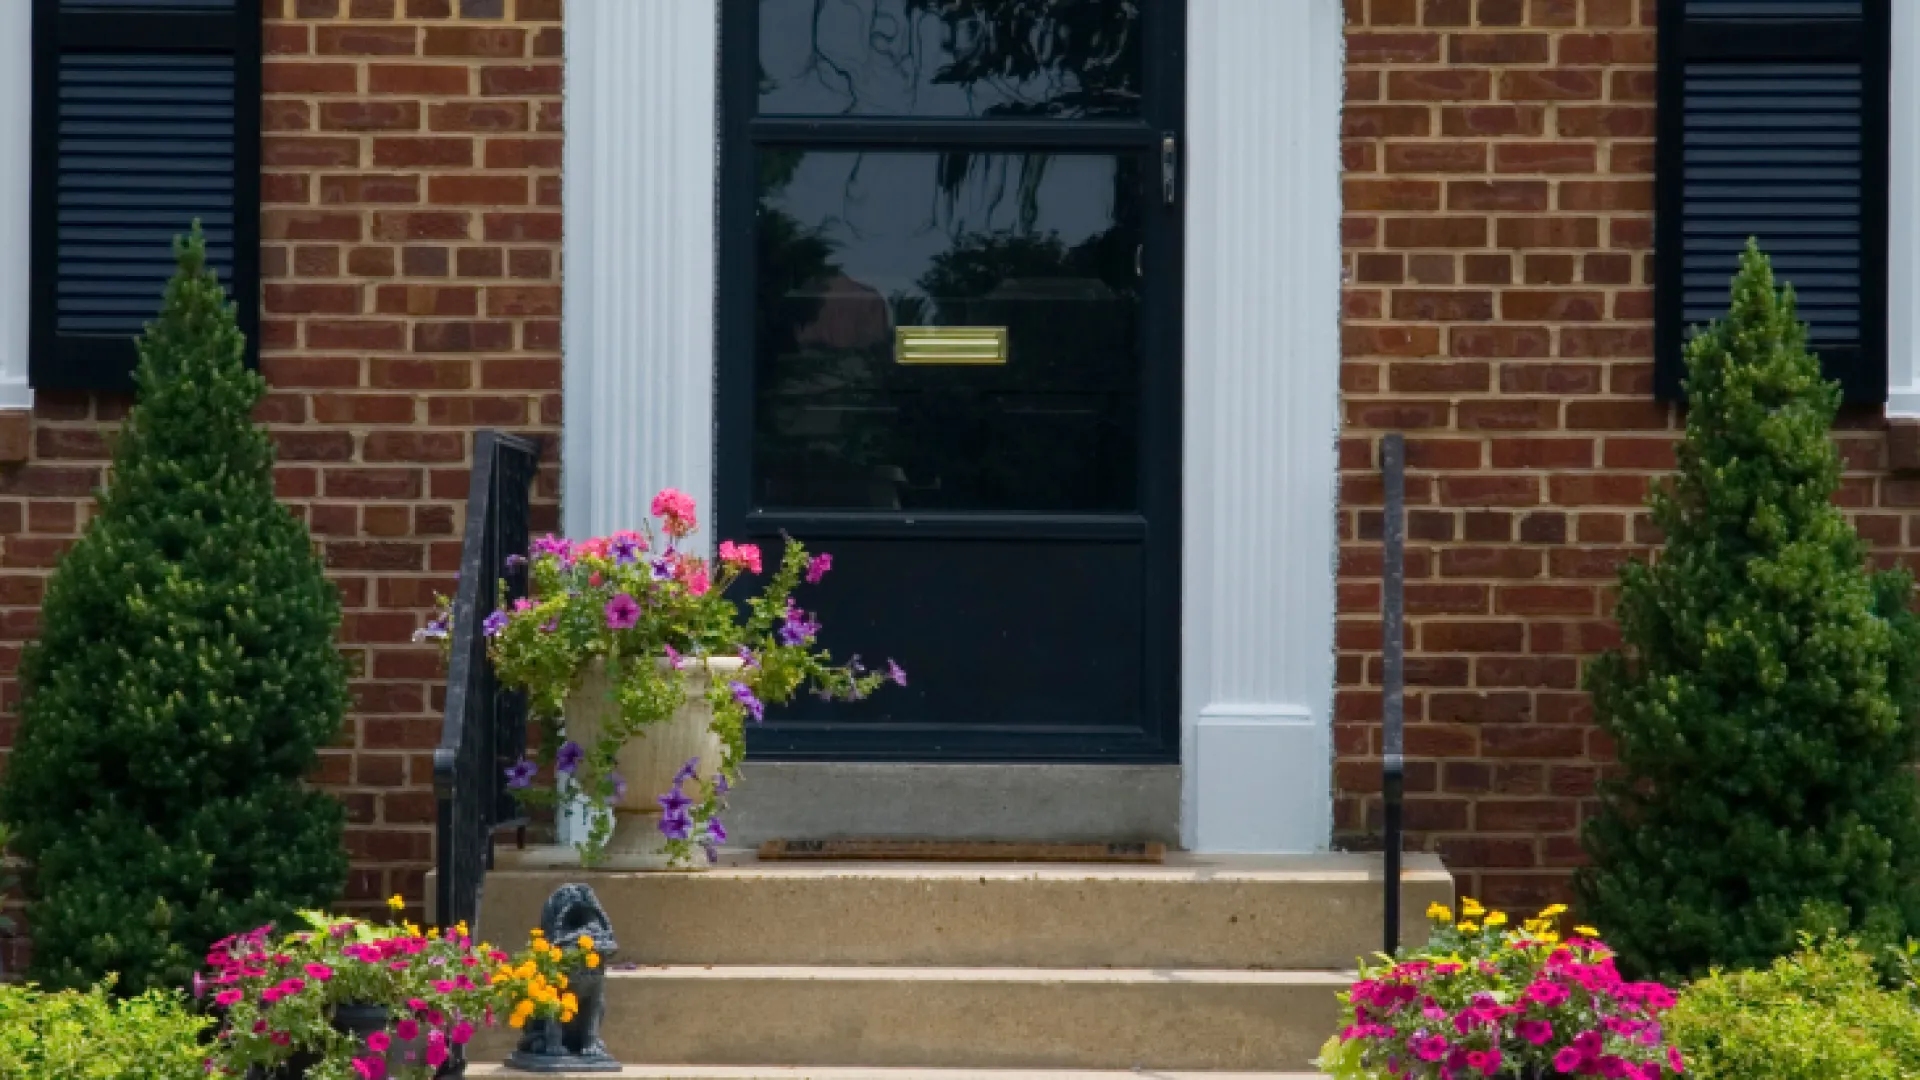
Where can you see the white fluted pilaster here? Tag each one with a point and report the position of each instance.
(639, 258)
(16, 150)
(1262, 414)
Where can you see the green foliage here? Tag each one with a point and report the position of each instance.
(1819, 1014)
(75, 1035)
(1764, 705)
(184, 678)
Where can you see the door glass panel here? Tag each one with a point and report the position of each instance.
(853, 245)
(1071, 59)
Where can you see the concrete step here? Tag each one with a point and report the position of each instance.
(828, 1073)
(1248, 912)
(980, 1018)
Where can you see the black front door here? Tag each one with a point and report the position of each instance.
(949, 355)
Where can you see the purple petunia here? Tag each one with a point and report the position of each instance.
(895, 672)
(495, 623)
(515, 562)
(520, 774)
(673, 658)
(626, 549)
(622, 612)
(743, 694)
(553, 545)
(568, 759)
(689, 771)
(747, 658)
(817, 567)
(619, 788)
(720, 784)
(799, 628)
(435, 629)
(674, 801)
(676, 825)
(716, 832)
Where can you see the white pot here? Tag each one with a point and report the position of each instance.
(649, 760)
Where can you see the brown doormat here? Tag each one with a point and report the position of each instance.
(963, 851)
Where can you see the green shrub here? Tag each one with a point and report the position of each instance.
(1820, 1014)
(1764, 707)
(89, 1035)
(184, 679)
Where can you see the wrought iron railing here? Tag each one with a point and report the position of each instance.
(1393, 530)
(485, 728)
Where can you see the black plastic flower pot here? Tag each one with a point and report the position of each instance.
(360, 1021)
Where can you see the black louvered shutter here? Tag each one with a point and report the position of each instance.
(1773, 125)
(146, 116)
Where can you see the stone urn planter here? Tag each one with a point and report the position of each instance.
(651, 757)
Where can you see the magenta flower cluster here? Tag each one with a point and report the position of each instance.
(276, 996)
(1502, 1005)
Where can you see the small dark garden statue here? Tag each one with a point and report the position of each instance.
(573, 1046)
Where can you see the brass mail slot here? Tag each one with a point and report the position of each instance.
(950, 345)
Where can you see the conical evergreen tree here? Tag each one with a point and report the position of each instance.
(1764, 705)
(184, 678)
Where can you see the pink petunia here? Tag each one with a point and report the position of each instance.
(436, 1049)
(817, 567)
(228, 997)
(408, 1029)
(378, 1042)
(1428, 1047)
(1537, 1032)
(463, 1033)
(622, 612)
(370, 1068)
(321, 972)
(1569, 1059)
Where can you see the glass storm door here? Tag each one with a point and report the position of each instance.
(949, 355)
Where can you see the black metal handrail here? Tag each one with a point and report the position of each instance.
(1393, 529)
(485, 728)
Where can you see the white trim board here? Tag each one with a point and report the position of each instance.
(1262, 361)
(1903, 215)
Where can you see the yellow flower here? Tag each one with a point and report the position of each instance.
(1549, 938)
(1439, 913)
(563, 982)
(1497, 918)
(1469, 927)
(538, 933)
(395, 902)
(1586, 931)
(1471, 908)
(517, 1020)
(1552, 910)
(593, 959)
(585, 942)
(570, 1003)
(434, 933)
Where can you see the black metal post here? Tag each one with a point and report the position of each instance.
(1393, 463)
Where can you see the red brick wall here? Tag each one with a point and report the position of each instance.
(411, 264)
(1498, 223)
(1498, 228)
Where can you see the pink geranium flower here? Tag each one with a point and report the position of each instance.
(676, 510)
(744, 556)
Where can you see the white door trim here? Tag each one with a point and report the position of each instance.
(1262, 361)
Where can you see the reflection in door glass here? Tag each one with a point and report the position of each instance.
(853, 245)
(1076, 59)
